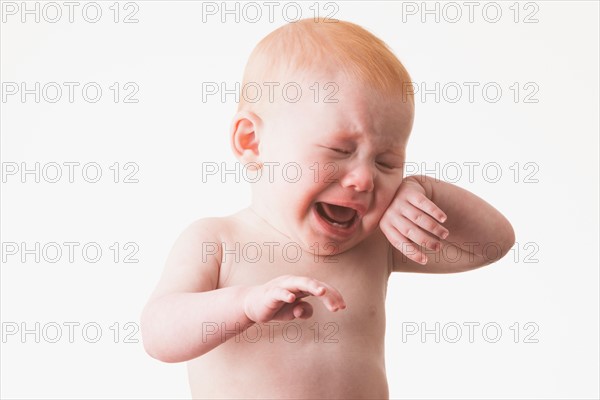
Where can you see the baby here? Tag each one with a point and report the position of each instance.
(285, 299)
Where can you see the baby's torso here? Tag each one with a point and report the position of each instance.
(330, 355)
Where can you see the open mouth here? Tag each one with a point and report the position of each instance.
(337, 216)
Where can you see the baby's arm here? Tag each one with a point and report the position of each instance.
(187, 305)
(416, 215)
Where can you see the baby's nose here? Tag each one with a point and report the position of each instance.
(361, 178)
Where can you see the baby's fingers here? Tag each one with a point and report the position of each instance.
(278, 295)
(302, 310)
(424, 221)
(303, 286)
(421, 201)
(411, 232)
(404, 245)
(332, 299)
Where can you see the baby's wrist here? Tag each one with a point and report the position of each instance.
(424, 182)
(245, 305)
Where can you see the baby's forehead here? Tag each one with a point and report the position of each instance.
(327, 89)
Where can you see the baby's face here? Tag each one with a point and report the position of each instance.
(336, 166)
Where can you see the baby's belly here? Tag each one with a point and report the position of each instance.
(315, 358)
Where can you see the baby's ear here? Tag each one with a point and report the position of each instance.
(245, 137)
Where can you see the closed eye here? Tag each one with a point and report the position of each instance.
(384, 165)
(341, 151)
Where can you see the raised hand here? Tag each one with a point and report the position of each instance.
(413, 219)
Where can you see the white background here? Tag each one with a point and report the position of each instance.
(550, 279)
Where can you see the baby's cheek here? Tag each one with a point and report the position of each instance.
(384, 199)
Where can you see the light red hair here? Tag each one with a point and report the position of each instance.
(301, 48)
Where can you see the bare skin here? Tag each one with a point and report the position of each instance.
(273, 302)
(265, 322)
(335, 349)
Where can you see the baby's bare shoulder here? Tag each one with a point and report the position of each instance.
(205, 239)
(218, 229)
(194, 261)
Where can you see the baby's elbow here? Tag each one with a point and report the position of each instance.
(152, 349)
(163, 345)
(511, 238)
(505, 241)
(155, 347)
(152, 339)
(167, 354)
(159, 354)
(508, 238)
